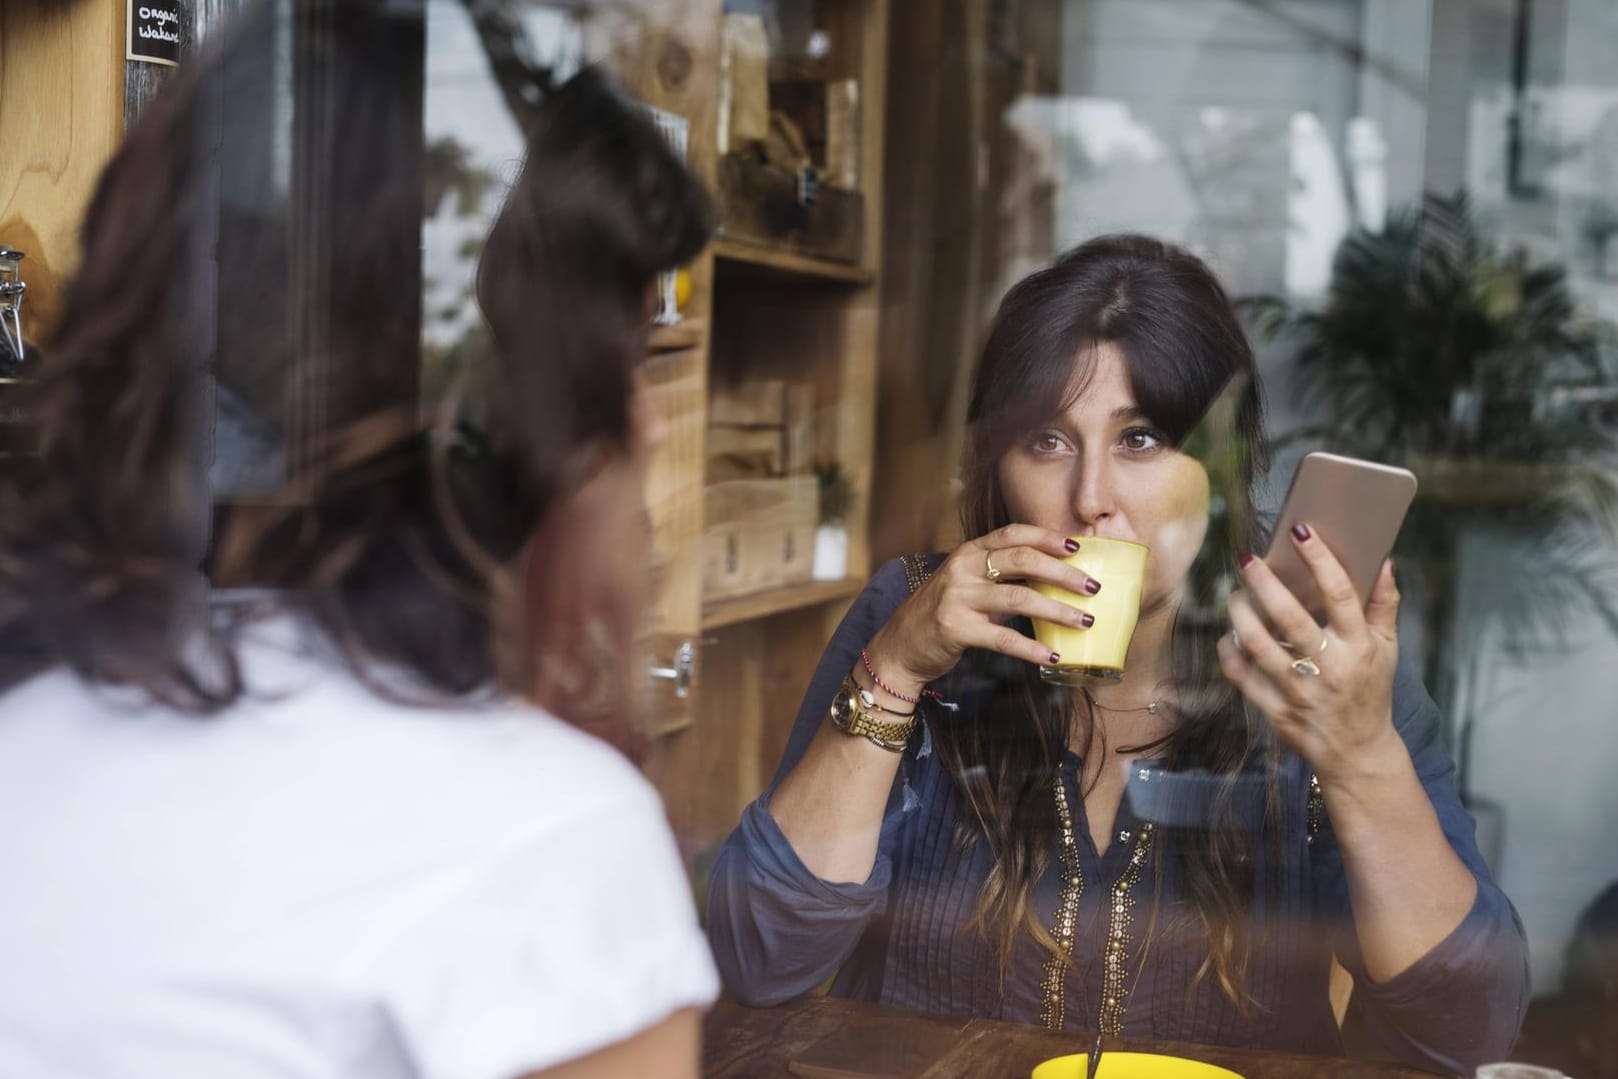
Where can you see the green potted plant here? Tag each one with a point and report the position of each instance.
(1473, 366)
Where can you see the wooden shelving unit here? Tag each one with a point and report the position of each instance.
(757, 312)
(775, 601)
(687, 333)
(791, 262)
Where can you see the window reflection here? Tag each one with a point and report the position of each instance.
(1297, 146)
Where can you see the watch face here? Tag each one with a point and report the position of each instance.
(842, 708)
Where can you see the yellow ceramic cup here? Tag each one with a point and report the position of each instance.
(1130, 1066)
(1096, 655)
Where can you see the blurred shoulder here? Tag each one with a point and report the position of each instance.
(893, 583)
(899, 577)
(492, 752)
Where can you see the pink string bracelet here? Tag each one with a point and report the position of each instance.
(865, 658)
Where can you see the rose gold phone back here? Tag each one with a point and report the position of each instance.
(1355, 506)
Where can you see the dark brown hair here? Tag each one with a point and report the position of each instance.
(1185, 352)
(408, 545)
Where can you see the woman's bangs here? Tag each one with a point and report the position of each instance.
(1167, 389)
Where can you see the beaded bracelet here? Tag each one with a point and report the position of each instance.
(868, 699)
(865, 658)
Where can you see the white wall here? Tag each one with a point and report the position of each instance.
(1545, 749)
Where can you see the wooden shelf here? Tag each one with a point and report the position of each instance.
(687, 333)
(790, 262)
(729, 611)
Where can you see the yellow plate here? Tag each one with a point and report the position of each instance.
(1130, 1066)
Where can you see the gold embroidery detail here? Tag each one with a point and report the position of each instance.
(1121, 916)
(916, 572)
(1113, 994)
(1317, 806)
(1054, 1003)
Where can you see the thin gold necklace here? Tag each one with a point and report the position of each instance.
(1150, 706)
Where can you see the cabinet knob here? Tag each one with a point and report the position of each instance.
(680, 672)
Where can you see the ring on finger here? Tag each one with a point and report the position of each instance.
(1306, 665)
(988, 562)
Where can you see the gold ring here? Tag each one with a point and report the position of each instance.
(1306, 665)
(988, 560)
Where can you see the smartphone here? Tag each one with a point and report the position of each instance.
(1355, 507)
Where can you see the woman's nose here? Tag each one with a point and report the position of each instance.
(1095, 493)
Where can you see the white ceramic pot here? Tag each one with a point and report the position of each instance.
(831, 553)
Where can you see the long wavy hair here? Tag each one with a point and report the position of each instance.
(410, 544)
(1190, 365)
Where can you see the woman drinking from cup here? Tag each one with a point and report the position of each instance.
(1177, 853)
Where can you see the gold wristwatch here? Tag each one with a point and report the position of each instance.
(854, 712)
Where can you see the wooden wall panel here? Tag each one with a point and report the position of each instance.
(969, 211)
(709, 771)
(61, 118)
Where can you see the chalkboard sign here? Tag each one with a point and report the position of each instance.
(154, 31)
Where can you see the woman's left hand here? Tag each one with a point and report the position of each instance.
(1340, 719)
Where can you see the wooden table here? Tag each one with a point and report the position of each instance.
(759, 1042)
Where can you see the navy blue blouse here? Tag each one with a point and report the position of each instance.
(902, 936)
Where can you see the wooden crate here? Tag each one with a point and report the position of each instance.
(759, 534)
(826, 113)
(758, 428)
(746, 453)
(759, 204)
(748, 402)
(802, 433)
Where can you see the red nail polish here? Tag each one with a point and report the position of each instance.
(1092, 586)
(1244, 560)
(1301, 532)
(1072, 545)
(1056, 657)
(1088, 619)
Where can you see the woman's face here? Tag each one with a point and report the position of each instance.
(1101, 469)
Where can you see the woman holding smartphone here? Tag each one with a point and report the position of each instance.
(1179, 855)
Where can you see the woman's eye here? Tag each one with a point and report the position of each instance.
(1047, 442)
(1142, 439)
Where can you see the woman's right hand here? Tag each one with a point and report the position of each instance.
(960, 607)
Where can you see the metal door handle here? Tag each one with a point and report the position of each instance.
(685, 665)
(12, 287)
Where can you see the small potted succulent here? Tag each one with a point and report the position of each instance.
(831, 536)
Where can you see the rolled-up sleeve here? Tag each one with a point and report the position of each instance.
(777, 930)
(1462, 1003)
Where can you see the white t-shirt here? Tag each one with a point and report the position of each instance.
(320, 883)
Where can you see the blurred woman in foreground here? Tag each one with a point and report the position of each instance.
(334, 837)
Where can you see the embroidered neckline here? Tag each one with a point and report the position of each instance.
(1054, 998)
(916, 571)
(1121, 916)
(1316, 807)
